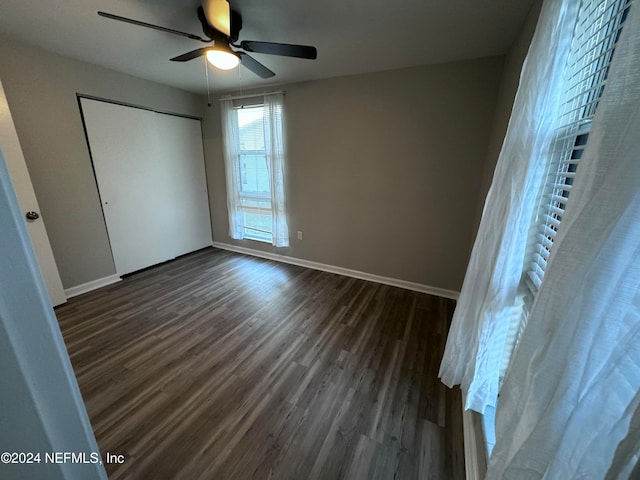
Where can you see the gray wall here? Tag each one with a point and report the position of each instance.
(384, 173)
(384, 169)
(508, 87)
(41, 90)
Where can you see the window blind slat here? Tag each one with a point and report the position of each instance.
(559, 199)
(535, 279)
(551, 220)
(540, 262)
(544, 241)
(556, 210)
(547, 231)
(562, 186)
(543, 252)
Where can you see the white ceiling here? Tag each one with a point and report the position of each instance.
(352, 36)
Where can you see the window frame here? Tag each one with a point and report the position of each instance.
(251, 232)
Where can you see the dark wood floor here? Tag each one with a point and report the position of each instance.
(223, 366)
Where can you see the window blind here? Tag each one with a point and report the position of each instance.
(597, 30)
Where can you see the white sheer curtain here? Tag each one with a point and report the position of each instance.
(275, 141)
(479, 328)
(570, 404)
(231, 144)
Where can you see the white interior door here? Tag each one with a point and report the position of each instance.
(150, 173)
(28, 203)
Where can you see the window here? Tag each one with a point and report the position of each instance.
(597, 31)
(255, 195)
(535, 180)
(255, 158)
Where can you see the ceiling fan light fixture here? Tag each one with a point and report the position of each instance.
(224, 59)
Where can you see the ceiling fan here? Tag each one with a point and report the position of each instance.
(221, 26)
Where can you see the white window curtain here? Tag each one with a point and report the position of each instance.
(570, 404)
(482, 317)
(231, 145)
(275, 141)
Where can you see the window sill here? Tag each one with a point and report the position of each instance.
(257, 238)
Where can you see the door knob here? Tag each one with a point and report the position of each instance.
(32, 215)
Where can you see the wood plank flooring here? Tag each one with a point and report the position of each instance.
(223, 366)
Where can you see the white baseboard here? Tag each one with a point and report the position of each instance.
(394, 282)
(92, 285)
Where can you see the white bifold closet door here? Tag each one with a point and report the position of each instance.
(150, 172)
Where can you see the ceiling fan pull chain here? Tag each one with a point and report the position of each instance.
(206, 74)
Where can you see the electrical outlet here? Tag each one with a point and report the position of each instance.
(299, 235)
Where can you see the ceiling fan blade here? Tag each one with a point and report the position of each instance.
(282, 49)
(207, 29)
(150, 25)
(185, 57)
(236, 26)
(255, 66)
(217, 14)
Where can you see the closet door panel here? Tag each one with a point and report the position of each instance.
(153, 197)
(186, 192)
